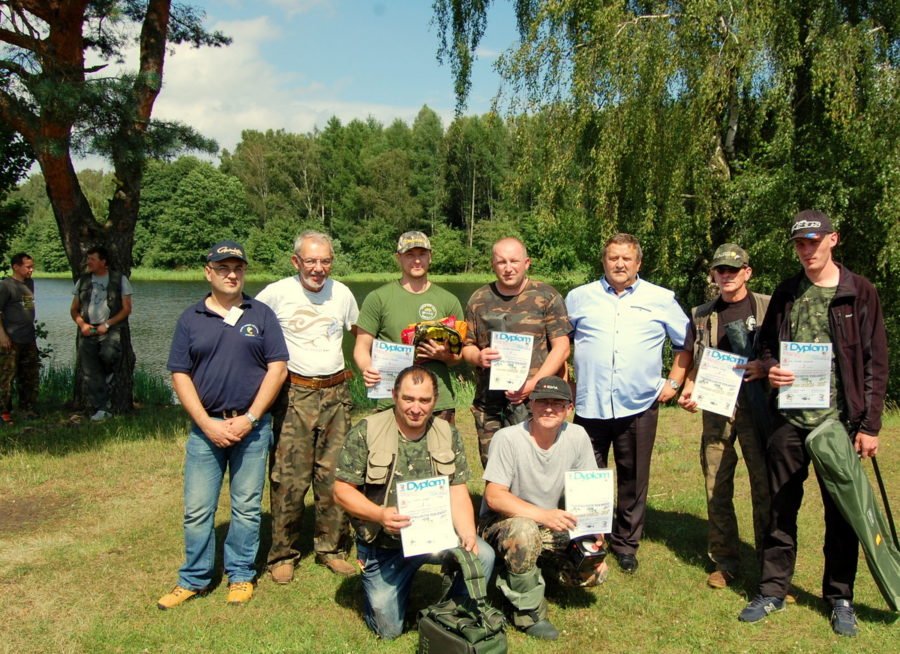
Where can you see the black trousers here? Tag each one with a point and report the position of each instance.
(788, 465)
(632, 441)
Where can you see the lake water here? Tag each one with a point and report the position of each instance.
(157, 306)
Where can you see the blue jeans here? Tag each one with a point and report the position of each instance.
(387, 579)
(204, 471)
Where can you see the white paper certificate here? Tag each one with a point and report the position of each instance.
(589, 497)
(718, 383)
(427, 503)
(811, 365)
(389, 359)
(510, 371)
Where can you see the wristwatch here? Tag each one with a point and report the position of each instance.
(254, 421)
(674, 384)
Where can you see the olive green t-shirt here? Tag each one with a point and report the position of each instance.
(809, 324)
(390, 309)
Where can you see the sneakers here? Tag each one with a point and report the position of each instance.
(100, 415)
(283, 572)
(542, 630)
(177, 596)
(340, 567)
(720, 579)
(760, 607)
(240, 592)
(843, 618)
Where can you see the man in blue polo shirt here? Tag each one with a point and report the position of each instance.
(621, 324)
(228, 361)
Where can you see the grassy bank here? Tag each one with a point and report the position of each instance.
(90, 536)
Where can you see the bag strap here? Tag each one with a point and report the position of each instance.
(473, 575)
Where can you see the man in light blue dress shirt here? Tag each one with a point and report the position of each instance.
(621, 324)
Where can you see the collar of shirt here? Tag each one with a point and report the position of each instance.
(628, 289)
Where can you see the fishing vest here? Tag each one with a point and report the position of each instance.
(383, 444)
(113, 293)
(706, 322)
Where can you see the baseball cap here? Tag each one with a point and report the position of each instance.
(551, 388)
(730, 255)
(226, 250)
(410, 240)
(810, 224)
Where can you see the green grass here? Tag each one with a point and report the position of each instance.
(90, 537)
(57, 381)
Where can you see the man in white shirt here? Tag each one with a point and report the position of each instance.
(314, 311)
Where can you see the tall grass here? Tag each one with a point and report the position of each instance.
(57, 384)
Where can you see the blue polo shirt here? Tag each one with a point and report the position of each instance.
(227, 363)
(618, 345)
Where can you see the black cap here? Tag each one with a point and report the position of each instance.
(226, 250)
(551, 388)
(810, 224)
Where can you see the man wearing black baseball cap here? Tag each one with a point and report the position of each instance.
(824, 303)
(520, 515)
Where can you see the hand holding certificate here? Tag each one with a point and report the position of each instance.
(427, 504)
(589, 497)
(389, 359)
(510, 371)
(718, 382)
(811, 365)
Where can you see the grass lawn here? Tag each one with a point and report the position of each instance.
(90, 537)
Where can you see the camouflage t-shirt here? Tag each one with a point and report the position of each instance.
(538, 310)
(809, 324)
(413, 463)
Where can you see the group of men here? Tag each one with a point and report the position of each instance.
(100, 308)
(232, 358)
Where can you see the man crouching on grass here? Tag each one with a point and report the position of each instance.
(228, 361)
(401, 444)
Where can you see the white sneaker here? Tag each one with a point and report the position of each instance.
(100, 415)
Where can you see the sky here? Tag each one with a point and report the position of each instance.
(293, 64)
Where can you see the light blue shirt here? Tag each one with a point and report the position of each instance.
(618, 345)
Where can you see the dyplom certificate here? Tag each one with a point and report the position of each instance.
(589, 497)
(811, 365)
(510, 371)
(717, 383)
(389, 359)
(427, 503)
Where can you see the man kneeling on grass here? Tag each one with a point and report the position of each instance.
(401, 444)
(228, 361)
(520, 515)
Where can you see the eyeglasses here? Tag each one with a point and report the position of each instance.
(311, 263)
(224, 271)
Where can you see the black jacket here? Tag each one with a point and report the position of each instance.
(859, 337)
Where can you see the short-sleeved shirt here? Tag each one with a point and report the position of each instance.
(17, 309)
(390, 309)
(727, 313)
(413, 462)
(809, 324)
(538, 310)
(226, 363)
(618, 345)
(313, 323)
(531, 473)
(98, 310)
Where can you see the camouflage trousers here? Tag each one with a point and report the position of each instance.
(306, 454)
(22, 364)
(526, 548)
(493, 416)
(718, 459)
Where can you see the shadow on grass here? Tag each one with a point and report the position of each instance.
(56, 432)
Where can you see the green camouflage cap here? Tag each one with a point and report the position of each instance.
(730, 255)
(410, 240)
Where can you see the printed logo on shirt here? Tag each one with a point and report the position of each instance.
(250, 330)
(428, 312)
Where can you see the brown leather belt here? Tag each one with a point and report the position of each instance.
(319, 383)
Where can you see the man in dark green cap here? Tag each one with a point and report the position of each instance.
(729, 322)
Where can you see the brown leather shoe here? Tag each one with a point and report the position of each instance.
(341, 567)
(282, 572)
(719, 579)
